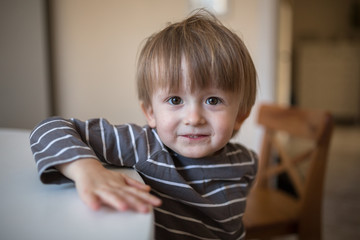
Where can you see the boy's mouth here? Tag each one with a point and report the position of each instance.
(194, 136)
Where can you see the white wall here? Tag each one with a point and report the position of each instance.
(96, 45)
(262, 44)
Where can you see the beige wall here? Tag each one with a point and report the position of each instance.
(95, 47)
(96, 44)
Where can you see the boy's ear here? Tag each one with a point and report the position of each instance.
(149, 114)
(241, 117)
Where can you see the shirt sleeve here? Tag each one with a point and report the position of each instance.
(57, 141)
(254, 169)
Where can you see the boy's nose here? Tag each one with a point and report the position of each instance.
(194, 117)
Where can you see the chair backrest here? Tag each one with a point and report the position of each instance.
(314, 129)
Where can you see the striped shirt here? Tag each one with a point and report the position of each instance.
(203, 198)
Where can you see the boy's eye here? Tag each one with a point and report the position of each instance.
(213, 101)
(175, 100)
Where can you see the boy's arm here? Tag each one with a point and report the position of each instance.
(56, 141)
(62, 144)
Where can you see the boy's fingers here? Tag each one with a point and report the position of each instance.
(122, 200)
(114, 200)
(144, 196)
(132, 182)
(91, 200)
(128, 198)
(137, 204)
(117, 191)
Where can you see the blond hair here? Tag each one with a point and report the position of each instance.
(215, 56)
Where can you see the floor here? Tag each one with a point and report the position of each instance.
(341, 213)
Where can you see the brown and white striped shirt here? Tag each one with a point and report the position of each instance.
(202, 198)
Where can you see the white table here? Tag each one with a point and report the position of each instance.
(31, 210)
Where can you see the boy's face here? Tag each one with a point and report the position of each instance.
(194, 124)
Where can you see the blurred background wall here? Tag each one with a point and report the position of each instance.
(88, 51)
(77, 58)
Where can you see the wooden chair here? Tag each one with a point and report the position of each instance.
(271, 211)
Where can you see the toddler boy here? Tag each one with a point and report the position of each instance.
(196, 85)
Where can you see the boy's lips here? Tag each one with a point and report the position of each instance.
(194, 136)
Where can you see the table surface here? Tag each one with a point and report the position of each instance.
(32, 210)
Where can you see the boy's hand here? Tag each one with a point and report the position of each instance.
(97, 186)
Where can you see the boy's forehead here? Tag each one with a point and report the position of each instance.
(186, 78)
